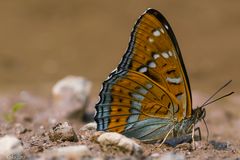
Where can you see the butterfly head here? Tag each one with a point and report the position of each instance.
(199, 114)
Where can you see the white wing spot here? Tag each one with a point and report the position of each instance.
(165, 55)
(151, 40)
(162, 30)
(142, 91)
(156, 33)
(170, 53)
(143, 69)
(136, 104)
(166, 26)
(152, 64)
(179, 97)
(149, 85)
(174, 80)
(156, 55)
(137, 96)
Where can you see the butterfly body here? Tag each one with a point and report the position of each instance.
(148, 96)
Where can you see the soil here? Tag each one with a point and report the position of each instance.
(32, 125)
(44, 41)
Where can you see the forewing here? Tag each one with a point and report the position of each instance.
(153, 51)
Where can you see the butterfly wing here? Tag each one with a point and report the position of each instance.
(153, 50)
(150, 89)
(133, 104)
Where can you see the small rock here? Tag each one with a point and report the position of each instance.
(63, 132)
(11, 148)
(116, 141)
(201, 145)
(154, 156)
(172, 156)
(42, 130)
(71, 95)
(52, 121)
(20, 129)
(36, 149)
(71, 152)
(184, 146)
(89, 126)
(220, 145)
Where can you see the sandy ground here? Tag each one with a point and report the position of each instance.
(43, 41)
(38, 117)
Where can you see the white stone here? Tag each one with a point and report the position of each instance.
(89, 126)
(172, 156)
(119, 141)
(73, 88)
(71, 93)
(78, 151)
(11, 147)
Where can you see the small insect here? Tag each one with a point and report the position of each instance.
(148, 96)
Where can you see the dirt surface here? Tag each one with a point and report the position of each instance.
(43, 41)
(33, 124)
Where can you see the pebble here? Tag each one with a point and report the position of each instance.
(202, 145)
(12, 149)
(89, 126)
(71, 152)
(70, 94)
(20, 129)
(184, 146)
(220, 145)
(154, 156)
(172, 156)
(112, 140)
(63, 132)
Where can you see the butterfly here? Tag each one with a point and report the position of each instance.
(148, 96)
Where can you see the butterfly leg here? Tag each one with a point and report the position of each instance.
(199, 133)
(193, 140)
(165, 138)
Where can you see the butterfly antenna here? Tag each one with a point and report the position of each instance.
(207, 101)
(218, 99)
(206, 128)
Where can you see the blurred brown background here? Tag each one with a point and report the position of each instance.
(42, 41)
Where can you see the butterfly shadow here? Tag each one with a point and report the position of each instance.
(173, 142)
